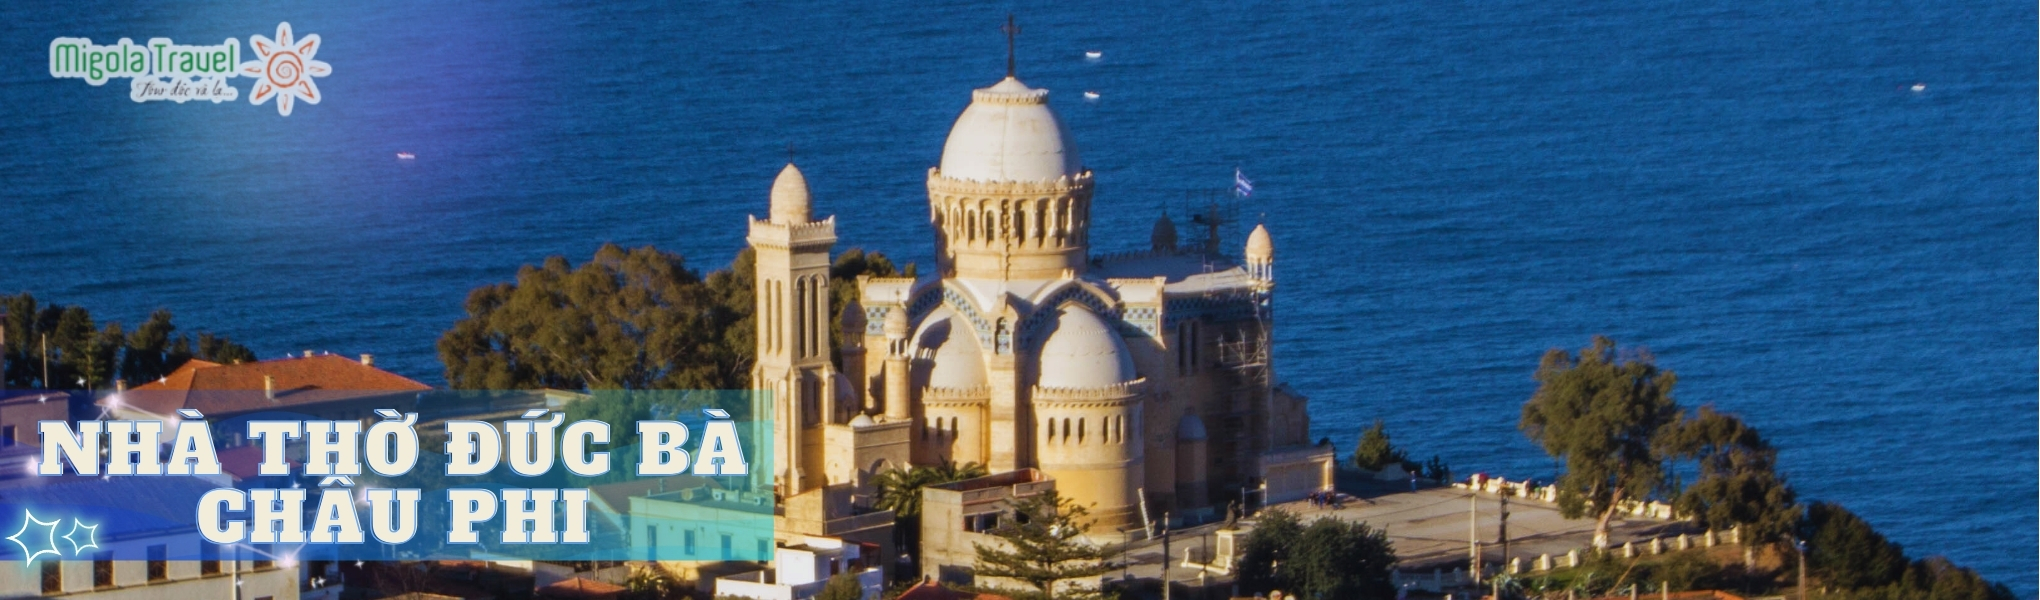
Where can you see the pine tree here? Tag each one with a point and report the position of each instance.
(1375, 450)
(1739, 485)
(1043, 545)
(1601, 416)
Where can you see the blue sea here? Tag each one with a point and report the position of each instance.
(1753, 190)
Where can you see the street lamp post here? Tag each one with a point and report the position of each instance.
(1473, 533)
(1800, 545)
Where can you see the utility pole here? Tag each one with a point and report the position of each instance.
(1473, 532)
(1504, 534)
(46, 361)
(1165, 555)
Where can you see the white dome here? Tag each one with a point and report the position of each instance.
(1008, 133)
(1084, 352)
(790, 203)
(1259, 245)
(948, 342)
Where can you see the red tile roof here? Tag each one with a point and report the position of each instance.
(245, 462)
(226, 389)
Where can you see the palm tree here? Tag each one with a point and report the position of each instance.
(899, 490)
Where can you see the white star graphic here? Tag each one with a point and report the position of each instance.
(91, 536)
(285, 69)
(50, 526)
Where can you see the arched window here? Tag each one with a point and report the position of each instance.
(795, 333)
(1040, 213)
(818, 332)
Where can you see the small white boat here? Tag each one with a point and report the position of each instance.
(1919, 87)
(1093, 54)
(406, 156)
(1089, 95)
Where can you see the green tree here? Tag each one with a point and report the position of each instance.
(1326, 559)
(843, 274)
(1739, 485)
(78, 349)
(1265, 548)
(1437, 470)
(636, 319)
(1375, 450)
(1933, 578)
(1043, 545)
(1338, 559)
(76, 342)
(1936, 578)
(841, 586)
(214, 348)
(1601, 416)
(626, 319)
(735, 290)
(651, 583)
(899, 490)
(1846, 551)
(149, 351)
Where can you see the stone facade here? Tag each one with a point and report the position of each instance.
(1119, 377)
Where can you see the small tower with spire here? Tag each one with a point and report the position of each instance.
(851, 333)
(1163, 240)
(1261, 259)
(792, 307)
(897, 402)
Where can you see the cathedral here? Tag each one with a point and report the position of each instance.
(1139, 382)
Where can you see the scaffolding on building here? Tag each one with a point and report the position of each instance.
(1247, 353)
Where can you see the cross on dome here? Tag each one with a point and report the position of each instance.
(1011, 30)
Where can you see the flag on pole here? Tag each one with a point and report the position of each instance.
(1241, 185)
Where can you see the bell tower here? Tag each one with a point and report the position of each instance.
(792, 308)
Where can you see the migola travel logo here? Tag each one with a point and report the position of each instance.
(162, 69)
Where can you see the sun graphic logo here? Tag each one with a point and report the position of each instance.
(284, 69)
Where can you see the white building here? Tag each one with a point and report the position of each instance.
(801, 567)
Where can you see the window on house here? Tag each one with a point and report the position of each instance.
(765, 549)
(728, 546)
(981, 523)
(652, 543)
(208, 559)
(7, 436)
(159, 565)
(687, 542)
(52, 577)
(102, 569)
